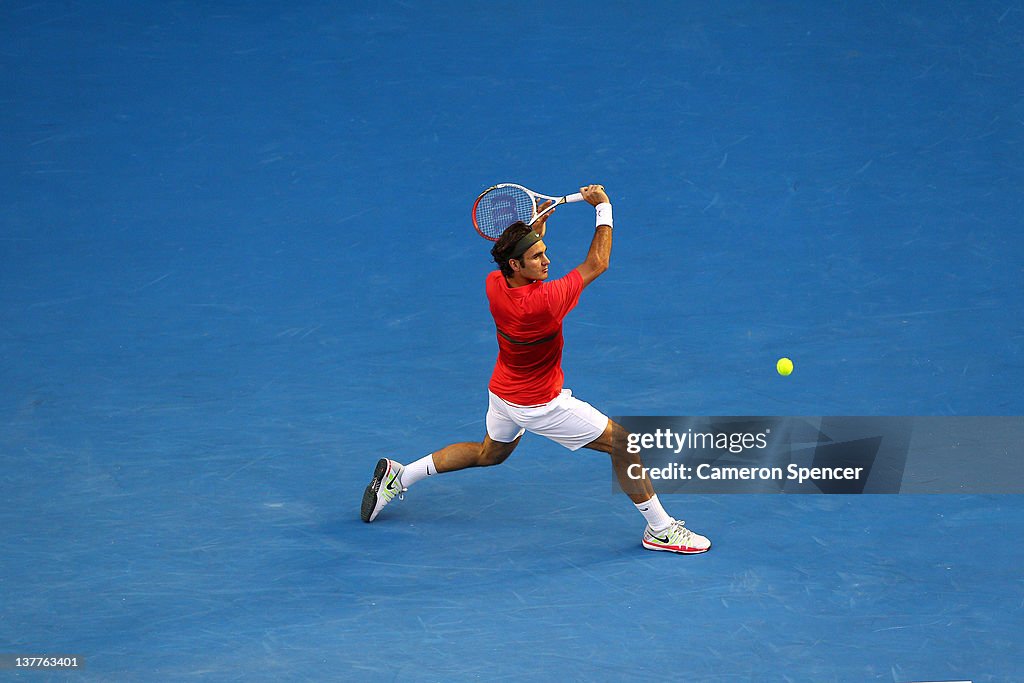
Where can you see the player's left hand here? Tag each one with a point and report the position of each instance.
(540, 226)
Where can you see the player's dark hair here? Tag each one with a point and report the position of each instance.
(505, 246)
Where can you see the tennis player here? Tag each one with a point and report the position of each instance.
(526, 391)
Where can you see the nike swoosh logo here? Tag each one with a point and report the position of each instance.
(658, 538)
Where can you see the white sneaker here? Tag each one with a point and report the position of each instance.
(385, 485)
(676, 539)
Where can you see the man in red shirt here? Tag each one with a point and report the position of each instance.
(526, 389)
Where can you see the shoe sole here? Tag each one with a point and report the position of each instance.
(678, 551)
(370, 495)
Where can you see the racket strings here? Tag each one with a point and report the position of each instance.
(501, 207)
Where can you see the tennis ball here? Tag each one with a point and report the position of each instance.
(784, 366)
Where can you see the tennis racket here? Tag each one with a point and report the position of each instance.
(502, 205)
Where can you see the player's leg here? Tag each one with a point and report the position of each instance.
(391, 478)
(459, 456)
(613, 442)
(662, 532)
(502, 437)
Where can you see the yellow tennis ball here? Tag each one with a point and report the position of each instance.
(784, 366)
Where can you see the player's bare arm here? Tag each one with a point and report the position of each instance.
(600, 252)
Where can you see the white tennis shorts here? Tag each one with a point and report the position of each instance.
(565, 420)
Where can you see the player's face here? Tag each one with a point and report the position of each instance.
(536, 262)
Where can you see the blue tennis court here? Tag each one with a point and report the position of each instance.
(237, 267)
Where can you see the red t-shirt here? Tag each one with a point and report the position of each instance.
(529, 322)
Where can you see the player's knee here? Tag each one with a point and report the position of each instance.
(488, 459)
(616, 439)
(612, 441)
(493, 454)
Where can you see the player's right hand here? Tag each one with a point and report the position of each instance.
(594, 194)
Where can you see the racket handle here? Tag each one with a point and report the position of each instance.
(574, 198)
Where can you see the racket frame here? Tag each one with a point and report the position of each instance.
(535, 196)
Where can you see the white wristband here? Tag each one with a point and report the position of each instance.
(604, 214)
